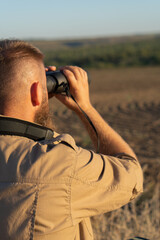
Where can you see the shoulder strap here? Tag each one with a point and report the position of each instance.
(17, 127)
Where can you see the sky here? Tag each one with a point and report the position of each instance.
(63, 19)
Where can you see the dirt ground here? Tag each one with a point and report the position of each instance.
(129, 100)
(121, 86)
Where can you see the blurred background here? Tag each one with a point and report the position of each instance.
(118, 43)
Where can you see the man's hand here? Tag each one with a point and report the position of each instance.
(78, 86)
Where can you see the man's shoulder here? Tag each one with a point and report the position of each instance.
(64, 139)
(44, 161)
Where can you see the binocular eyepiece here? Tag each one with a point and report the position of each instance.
(57, 82)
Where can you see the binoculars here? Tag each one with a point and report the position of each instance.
(57, 82)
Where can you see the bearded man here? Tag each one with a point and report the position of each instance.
(50, 187)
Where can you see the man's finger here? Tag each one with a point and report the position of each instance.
(50, 68)
(75, 70)
(70, 77)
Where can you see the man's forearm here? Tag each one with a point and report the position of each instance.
(110, 141)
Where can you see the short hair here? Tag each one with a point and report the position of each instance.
(12, 52)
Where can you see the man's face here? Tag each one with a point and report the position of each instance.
(43, 116)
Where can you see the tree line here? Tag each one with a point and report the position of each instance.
(124, 54)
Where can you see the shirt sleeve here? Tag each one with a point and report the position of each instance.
(103, 183)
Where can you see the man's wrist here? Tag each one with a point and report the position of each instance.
(86, 108)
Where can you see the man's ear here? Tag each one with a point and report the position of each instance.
(36, 94)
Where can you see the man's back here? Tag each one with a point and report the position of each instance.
(35, 189)
(38, 182)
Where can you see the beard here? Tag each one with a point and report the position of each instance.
(43, 117)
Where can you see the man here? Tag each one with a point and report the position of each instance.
(49, 187)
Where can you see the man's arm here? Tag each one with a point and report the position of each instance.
(111, 142)
(100, 183)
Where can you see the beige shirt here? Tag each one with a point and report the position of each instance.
(49, 189)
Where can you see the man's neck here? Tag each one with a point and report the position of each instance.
(17, 114)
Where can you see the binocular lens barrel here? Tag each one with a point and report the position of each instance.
(56, 82)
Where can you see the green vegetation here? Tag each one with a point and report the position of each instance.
(104, 53)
